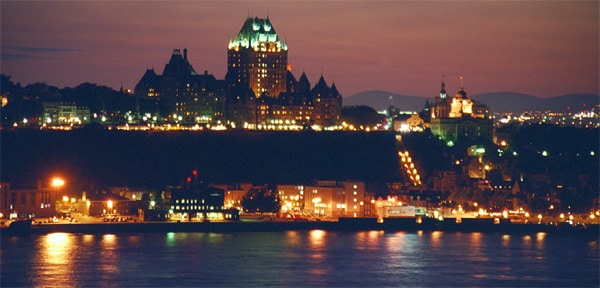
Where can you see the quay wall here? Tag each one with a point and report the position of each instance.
(344, 224)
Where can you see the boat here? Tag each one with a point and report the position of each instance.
(15, 227)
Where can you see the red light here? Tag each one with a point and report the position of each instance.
(189, 179)
(195, 172)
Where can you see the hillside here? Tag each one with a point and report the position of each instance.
(146, 159)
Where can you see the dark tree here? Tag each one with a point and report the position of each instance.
(361, 115)
(261, 201)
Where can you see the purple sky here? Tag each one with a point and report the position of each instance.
(542, 48)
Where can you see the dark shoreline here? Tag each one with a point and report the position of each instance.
(344, 224)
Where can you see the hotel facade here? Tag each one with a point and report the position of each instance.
(258, 92)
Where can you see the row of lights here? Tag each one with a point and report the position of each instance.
(409, 167)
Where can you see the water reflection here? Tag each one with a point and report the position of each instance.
(109, 256)
(318, 268)
(436, 237)
(505, 240)
(58, 248)
(299, 258)
(55, 258)
(317, 238)
(88, 239)
(368, 240)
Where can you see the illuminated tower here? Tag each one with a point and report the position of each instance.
(257, 58)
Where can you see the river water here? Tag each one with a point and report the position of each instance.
(300, 259)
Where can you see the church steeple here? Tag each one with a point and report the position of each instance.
(443, 91)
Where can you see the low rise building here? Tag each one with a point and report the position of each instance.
(59, 113)
(38, 202)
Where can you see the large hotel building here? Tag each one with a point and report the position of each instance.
(257, 58)
(258, 92)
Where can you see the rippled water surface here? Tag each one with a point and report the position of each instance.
(300, 259)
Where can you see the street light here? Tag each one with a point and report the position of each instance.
(57, 182)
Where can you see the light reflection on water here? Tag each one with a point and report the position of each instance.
(299, 258)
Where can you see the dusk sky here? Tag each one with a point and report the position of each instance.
(542, 48)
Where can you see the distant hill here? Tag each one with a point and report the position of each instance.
(497, 101)
(517, 102)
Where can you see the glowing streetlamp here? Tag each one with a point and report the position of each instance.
(57, 182)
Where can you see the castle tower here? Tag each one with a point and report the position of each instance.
(257, 58)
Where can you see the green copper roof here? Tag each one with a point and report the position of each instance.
(255, 32)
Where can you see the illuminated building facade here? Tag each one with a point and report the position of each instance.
(39, 202)
(206, 203)
(56, 113)
(404, 123)
(335, 199)
(263, 92)
(182, 94)
(257, 58)
(459, 117)
(322, 199)
(319, 107)
(259, 91)
(234, 193)
(292, 200)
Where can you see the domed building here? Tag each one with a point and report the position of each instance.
(459, 118)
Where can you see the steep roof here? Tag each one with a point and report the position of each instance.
(321, 89)
(178, 65)
(334, 92)
(149, 80)
(303, 84)
(291, 82)
(256, 31)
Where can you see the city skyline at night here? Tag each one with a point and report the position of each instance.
(541, 49)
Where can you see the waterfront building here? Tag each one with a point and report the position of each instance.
(322, 199)
(459, 117)
(233, 194)
(335, 199)
(110, 207)
(39, 202)
(292, 200)
(205, 203)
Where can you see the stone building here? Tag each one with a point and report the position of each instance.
(459, 117)
(258, 92)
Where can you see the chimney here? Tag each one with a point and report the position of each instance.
(185, 54)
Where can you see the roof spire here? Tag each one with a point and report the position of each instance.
(443, 89)
(462, 82)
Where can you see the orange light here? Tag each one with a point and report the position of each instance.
(57, 182)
